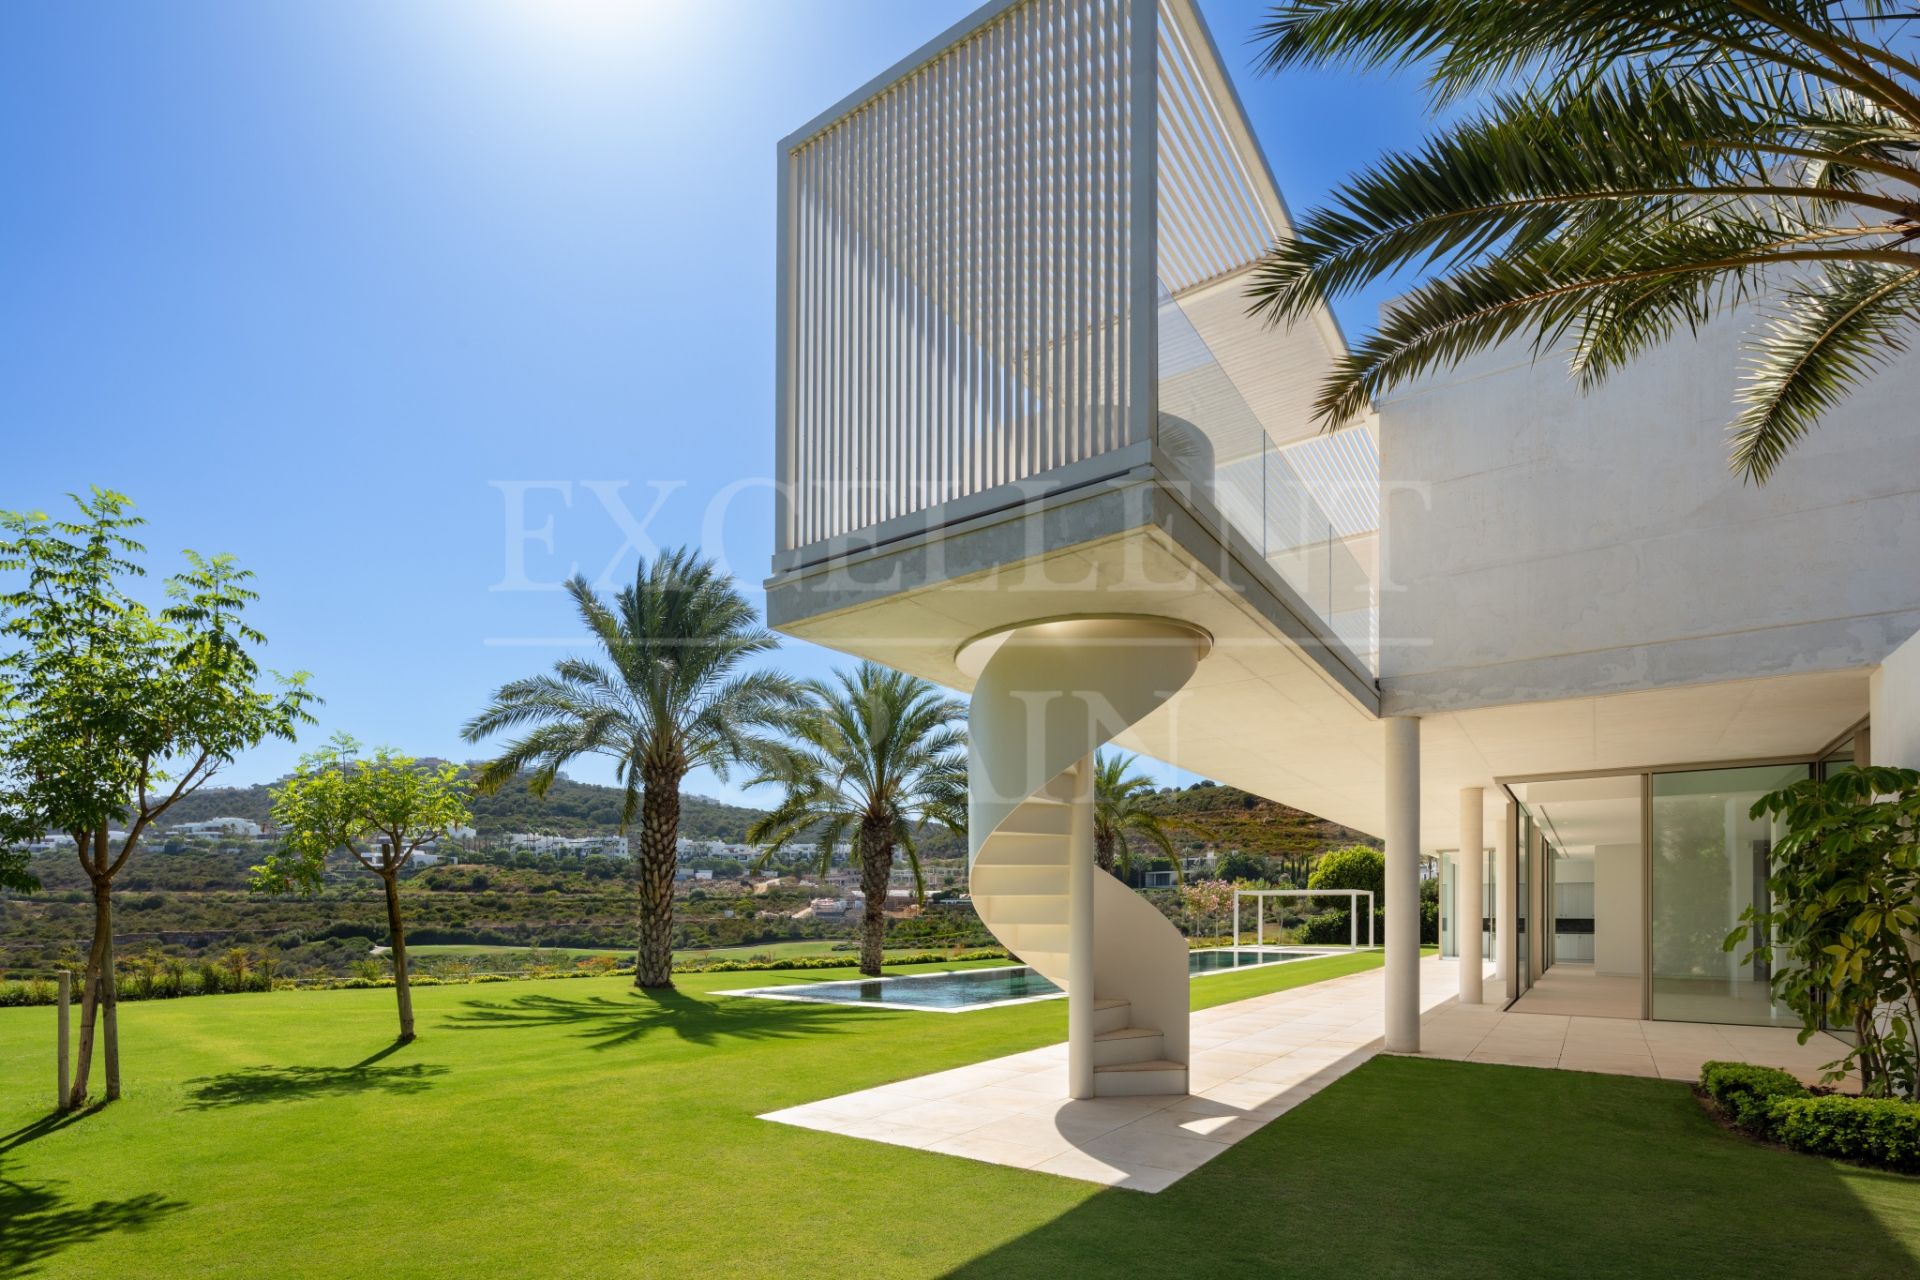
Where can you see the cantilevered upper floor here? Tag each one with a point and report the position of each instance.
(1018, 380)
(1017, 374)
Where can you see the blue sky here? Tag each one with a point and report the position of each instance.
(325, 283)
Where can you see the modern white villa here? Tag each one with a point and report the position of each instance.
(1032, 446)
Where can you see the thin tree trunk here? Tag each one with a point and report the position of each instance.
(110, 1005)
(397, 935)
(876, 868)
(659, 859)
(93, 987)
(1103, 843)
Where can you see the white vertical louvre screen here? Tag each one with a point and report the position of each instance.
(1211, 219)
(957, 264)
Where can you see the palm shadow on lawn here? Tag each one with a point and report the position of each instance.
(37, 1221)
(291, 1084)
(613, 1021)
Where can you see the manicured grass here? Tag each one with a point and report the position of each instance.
(580, 1129)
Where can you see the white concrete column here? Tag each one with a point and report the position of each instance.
(1470, 893)
(1505, 905)
(1403, 884)
(1080, 979)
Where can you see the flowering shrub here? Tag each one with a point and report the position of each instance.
(1207, 898)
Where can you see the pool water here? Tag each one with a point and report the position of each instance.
(980, 988)
(1199, 962)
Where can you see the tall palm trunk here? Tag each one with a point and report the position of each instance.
(659, 859)
(397, 935)
(876, 869)
(1103, 850)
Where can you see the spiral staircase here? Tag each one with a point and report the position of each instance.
(1047, 696)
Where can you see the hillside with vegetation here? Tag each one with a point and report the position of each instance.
(1237, 820)
(190, 897)
(569, 808)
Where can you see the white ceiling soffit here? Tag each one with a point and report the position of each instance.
(1219, 211)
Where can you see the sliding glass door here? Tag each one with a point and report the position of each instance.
(1522, 903)
(1457, 919)
(1710, 863)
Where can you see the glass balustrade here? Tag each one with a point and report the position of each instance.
(1309, 509)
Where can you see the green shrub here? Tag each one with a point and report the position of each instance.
(1747, 1093)
(1882, 1131)
(1354, 867)
(1330, 929)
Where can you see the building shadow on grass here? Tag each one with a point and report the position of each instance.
(292, 1084)
(613, 1021)
(38, 1221)
(1572, 1176)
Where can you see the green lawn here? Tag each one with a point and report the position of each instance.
(579, 1129)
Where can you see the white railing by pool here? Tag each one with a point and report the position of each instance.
(1260, 896)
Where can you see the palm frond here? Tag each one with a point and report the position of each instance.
(666, 692)
(1635, 171)
(1467, 48)
(1825, 337)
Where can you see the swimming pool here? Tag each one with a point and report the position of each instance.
(957, 991)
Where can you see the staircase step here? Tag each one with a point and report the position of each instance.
(1033, 937)
(1154, 1076)
(1023, 849)
(1046, 961)
(1126, 1045)
(1111, 1015)
(1020, 909)
(1000, 880)
(1048, 818)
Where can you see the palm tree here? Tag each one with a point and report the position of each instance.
(873, 755)
(1632, 170)
(1119, 811)
(669, 696)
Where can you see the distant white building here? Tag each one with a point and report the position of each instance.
(605, 846)
(717, 849)
(219, 827)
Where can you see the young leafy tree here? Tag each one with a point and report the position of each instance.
(1120, 810)
(1845, 908)
(1632, 170)
(110, 714)
(872, 755)
(14, 875)
(381, 811)
(669, 696)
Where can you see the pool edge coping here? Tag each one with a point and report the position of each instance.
(778, 993)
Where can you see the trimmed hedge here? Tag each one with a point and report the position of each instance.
(41, 991)
(1882, 1131)
(1747, 1093)
(1773, 1104)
